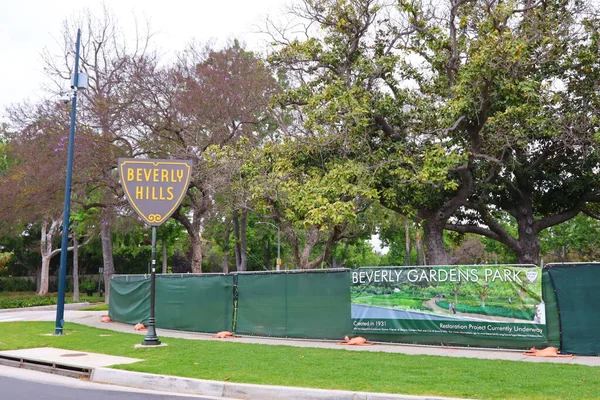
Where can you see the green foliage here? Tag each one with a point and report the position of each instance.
(29, 299)
(87, 284)
(574, 240)
(5, 258)
(16, 284)
(26, 302)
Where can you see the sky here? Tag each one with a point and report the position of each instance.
(27, 27)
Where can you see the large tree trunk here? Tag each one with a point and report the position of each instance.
(107, 256)
(75, 267)
(529, 246)
(433, 232)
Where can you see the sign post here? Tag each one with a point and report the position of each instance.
(154, 188)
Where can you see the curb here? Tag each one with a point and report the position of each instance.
(237, 390)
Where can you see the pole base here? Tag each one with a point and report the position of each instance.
(151, 341)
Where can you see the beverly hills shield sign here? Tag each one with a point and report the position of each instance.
(154, 188)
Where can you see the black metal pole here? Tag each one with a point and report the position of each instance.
(62, 272)
(151, 339)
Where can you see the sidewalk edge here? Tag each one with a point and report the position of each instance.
(236, 390)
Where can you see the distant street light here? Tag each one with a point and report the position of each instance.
(278, 267)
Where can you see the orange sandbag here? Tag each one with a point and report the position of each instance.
(223, 334)
(547, 352)
(140, 327)
(355, 341)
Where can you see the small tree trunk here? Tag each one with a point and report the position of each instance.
(419, 247)
(267, 250)
(407, 247)
(46, 252)
(244, 241)
(196, 254)
(75, 267)
(107, 256)
(236, 240)
(225, 248)
(44, 276)
(164, 256)
(225, 263)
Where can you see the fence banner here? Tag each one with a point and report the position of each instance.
(482, 302)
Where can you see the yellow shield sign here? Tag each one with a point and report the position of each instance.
(154, 188)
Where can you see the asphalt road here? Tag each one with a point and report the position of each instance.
(21, 384)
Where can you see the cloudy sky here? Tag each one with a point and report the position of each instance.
(27, 27)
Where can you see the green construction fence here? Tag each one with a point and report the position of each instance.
(304, 304)
(313, 304)
(576, 288)
(129, 298)
(317, 304)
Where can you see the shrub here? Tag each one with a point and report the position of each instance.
(87, 284)
(17, 284)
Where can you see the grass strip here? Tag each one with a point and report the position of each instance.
(27, 299)
(320, 368)
(97, 307)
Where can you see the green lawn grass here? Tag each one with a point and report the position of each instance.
(97, 307)
(321, 368)
(29, 299)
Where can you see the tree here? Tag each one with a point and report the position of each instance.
(32, 192)
(208, 98)
(532, 65)
(461, 107)
(353, 77)
(313, 197)
(104, 111)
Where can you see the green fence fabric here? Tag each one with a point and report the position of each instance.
(194, 303)
(307, 304)
(129, 300)
(577, 289)
(552, 316)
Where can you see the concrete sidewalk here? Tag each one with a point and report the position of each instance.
(218, 389)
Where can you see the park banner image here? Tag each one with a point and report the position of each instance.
(487, 301)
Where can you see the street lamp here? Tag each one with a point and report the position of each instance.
(80, 81)
(278, 267)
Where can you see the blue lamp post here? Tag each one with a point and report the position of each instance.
(62, 276)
